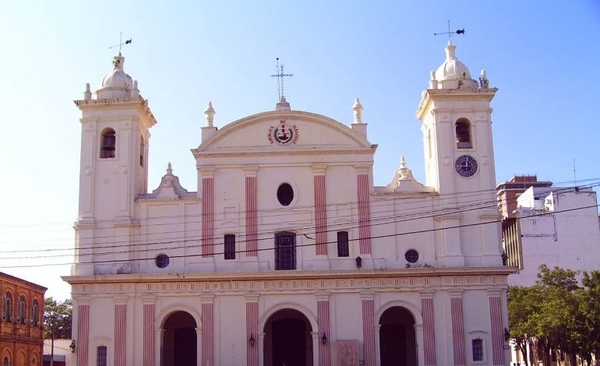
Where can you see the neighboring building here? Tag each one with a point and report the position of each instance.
(287, 253)
(555, 226)
(21, 322)
(60, 349)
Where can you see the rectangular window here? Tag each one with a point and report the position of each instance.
(101, 356)
(285, 251)
(477, 345)
(342, 244)
(229, 250)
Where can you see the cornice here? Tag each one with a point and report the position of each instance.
(414, 279)
(261, 153)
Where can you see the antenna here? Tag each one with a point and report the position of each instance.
(121, 43)
(280, 75)
(450, 33)
(574, 173)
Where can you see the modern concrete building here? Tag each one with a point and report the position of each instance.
(285, 253)
(21, 322)
(555, 226)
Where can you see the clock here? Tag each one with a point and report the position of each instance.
(466, 165)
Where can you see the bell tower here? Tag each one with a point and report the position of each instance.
(115, 131)
(459, 157)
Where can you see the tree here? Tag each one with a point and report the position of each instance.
(57, 319)
(523, 303)
(590, 309)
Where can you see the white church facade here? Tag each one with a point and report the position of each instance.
(286, 253)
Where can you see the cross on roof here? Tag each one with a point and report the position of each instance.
(450, 33)
(280, 75)
(121, 43)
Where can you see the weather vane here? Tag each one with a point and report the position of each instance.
(121, 43)
(280, 75)
(450, 33)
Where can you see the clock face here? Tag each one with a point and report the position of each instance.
(466, 165)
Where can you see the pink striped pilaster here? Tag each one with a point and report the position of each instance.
(497, 331)
(120, 334)
(364, 213)
(428, 331)
(252, 330)
(208, 344)
(83, 335)
(148, 336)
(208, 213)
(320, 214)
(251, 217)
(458, 331)
(368, 318)
(323, 321)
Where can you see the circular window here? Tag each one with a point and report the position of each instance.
(412, 256)
(162, 260)
(285, 194)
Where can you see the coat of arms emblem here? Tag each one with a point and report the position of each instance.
(283, 134)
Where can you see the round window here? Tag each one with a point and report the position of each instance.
(412, 256)
(162, 260)
(285, 194)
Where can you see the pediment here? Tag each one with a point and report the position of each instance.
(278, 131)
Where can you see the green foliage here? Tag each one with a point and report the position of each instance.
(57, 318)
(557, 312)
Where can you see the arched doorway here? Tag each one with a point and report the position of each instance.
(397, 342)
(288, 339)
(179, 345)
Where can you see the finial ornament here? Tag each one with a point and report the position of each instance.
(405, 173)
(357, 108)
(169, 169)
(449, 32)
(87, 94)
(484, 83)
(280, 75)
(210, 114)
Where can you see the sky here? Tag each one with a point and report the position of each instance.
(542, 56)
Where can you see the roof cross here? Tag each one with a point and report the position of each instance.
(280, 75)
(450, 33)
(121, 43)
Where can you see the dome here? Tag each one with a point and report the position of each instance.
(453, 74)
(116, 84)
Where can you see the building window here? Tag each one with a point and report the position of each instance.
(411, 256)
(342, 244)
(101, 356)
(463, 134)
(477, 346)
(5, 361)
(142, 152)
(108, 143)
(8, 303)
(21, 317)
(35, 308)
(162, 260)
(285, 194)
(285, 251)
(229, 251)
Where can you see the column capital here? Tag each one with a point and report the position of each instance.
(427, 294)
(207, 299)
(322, 296)
(456, 293)
(319, 169)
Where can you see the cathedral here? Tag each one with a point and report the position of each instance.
(286, 253)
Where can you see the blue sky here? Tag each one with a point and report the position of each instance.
(542, 56)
